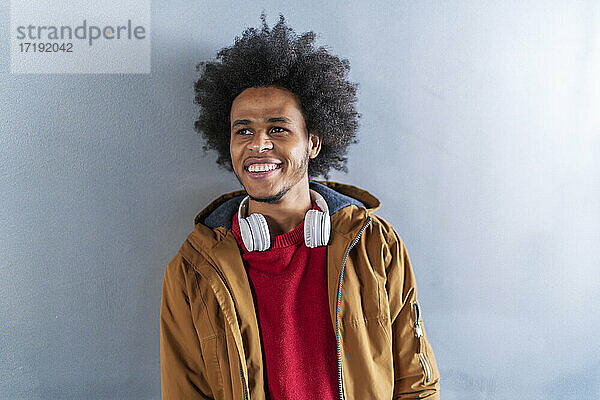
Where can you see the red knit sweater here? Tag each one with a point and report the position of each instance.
(290, 289)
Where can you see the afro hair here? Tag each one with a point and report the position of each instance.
(278, 57)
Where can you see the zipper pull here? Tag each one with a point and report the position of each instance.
(418, 328)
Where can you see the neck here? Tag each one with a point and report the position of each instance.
(287, 213)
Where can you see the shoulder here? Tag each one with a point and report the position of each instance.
(383, 240)
(191, 256)
(180, 267)
(381, 229)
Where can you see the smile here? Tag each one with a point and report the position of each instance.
(263, 167)
(262, 170)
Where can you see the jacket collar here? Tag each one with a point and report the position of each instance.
(220, 212)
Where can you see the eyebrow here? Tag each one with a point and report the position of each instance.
(270, 119)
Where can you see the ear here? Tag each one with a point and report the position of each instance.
(314, 143)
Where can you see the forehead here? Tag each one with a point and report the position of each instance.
(261, 102)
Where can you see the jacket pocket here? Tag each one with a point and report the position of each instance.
(209, 347)
(421, 346)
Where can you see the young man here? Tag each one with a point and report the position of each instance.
(289, 289)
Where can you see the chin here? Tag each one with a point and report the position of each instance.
(267, 196)
(268, 199)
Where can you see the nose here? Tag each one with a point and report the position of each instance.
(260, 142)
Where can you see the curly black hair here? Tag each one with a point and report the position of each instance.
(280, 58)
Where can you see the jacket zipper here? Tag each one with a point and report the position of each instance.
(419, 333)
(337, 309)
(244, 390)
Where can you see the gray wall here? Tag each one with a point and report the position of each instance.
(483, 119)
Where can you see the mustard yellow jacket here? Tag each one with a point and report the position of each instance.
(210, 345)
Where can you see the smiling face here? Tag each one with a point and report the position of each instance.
(270, 146)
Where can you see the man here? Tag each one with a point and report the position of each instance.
(289, 289)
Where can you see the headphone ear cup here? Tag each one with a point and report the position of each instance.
(260, 235)
(319, 224)
(316, 228)
(326, 229)
(246, 233)
(309, 231)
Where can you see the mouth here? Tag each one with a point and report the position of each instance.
(262, 169)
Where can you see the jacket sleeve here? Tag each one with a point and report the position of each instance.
(181, 364)
(416, 374)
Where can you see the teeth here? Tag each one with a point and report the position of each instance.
(261, 167)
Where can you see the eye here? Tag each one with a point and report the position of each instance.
(278, 129)
(243, 131)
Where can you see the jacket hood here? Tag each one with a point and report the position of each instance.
(220, 212)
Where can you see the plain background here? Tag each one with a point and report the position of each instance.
(480, 135)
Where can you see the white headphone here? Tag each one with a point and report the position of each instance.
(255, 231)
